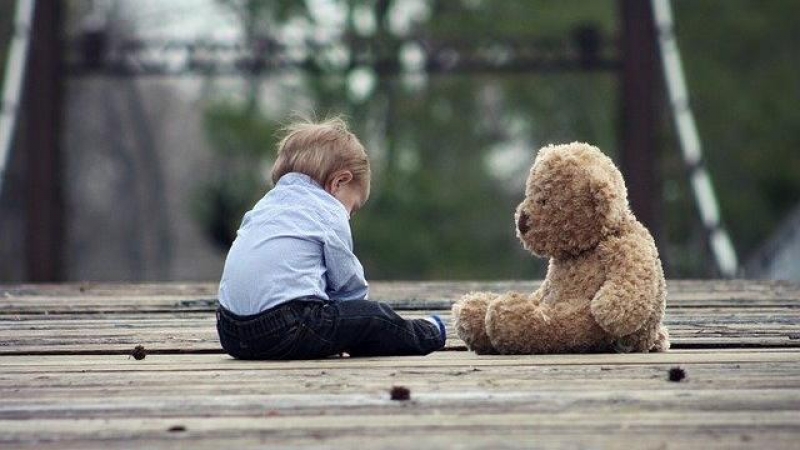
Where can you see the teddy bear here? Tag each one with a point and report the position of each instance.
(604, 290)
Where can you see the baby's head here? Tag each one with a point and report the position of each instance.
(331, 155)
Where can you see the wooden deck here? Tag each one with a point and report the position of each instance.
(66, 380)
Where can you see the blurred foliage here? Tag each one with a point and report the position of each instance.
(238, 134)
(438, 210)
(741, 62)
(7, 10)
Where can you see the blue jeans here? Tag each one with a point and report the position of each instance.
(312, 328)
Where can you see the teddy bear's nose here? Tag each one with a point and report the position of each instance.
(522, 223)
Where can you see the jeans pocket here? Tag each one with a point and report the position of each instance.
(313, 345)
(280, 345)
(316, 339)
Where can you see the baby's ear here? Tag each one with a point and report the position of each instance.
(338, 179)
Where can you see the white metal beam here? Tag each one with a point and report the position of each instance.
(12, 85)
(702, 188)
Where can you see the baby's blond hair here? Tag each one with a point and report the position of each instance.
(321, 150)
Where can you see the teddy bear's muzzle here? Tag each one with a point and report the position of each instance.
(522, 223)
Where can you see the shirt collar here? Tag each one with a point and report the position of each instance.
(297, 178)
(301, 179)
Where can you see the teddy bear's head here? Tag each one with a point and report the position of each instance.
(574, 198)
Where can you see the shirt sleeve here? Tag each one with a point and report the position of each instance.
(344, 273)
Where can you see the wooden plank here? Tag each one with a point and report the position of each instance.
(371, 403)
(425, 294)
(672, 310)
(151, 398)
(209, 345)
(701, 437)
(409, 429)
(123, 427)
(168, 298)
(40, 382)
(405, 289)
(457, 397)
(786, 320)
(764, 318)
(195, 332)
(80, 383)
(438, 359)
(175, 345)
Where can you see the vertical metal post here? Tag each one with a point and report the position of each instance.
(12, 81)
(718, 239)
(639, 156)
(42, 125)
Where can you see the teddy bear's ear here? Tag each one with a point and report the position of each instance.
(540, 156)
(609, 196)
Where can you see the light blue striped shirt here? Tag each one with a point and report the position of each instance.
(295, 242)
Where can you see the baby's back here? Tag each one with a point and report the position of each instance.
(277, 254)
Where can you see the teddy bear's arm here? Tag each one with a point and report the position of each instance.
(624, 302)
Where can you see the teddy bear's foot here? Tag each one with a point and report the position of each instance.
(469, 314)
(517, 324)
(662, 340)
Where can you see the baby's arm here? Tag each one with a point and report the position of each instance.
(344, 273)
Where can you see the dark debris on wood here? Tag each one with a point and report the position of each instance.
(676, 374)
(139, 353)
(400, 393)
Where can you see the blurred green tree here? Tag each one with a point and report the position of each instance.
(451, 151)
(7, 10)
(438, 210)
(741, 59)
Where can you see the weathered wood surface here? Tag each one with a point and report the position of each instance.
(195, 332)
(67, 319)
(167, 298)
(66, 380)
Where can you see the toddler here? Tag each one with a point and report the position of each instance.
(292, 287)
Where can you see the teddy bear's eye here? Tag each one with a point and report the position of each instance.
(542, 201)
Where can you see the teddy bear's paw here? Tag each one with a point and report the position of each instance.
(469, 315)
(662, 340)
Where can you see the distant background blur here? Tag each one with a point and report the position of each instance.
(158, 125)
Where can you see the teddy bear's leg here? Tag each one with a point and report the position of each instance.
(469, 314)
(521, 324)
(517, 324)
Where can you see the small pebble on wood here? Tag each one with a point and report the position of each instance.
(400, 393)
(138, 352)
(676, 374)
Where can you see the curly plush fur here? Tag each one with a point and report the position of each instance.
(604, 290)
